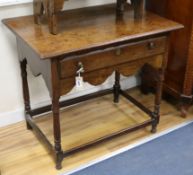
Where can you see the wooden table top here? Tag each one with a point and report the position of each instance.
(87, 29)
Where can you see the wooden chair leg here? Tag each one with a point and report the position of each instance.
(26, 97)
(139, 8)
(38, 11)
(116, 87)
(53, 24)
(120, 7)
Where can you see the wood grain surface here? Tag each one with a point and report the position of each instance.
(121, 55)
(99, 76)
(83, 30)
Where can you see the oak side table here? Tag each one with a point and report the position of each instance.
(96, 40)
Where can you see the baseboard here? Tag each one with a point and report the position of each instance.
(16, 116)
(8, 118)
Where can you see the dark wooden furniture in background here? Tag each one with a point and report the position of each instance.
(179, 73)
(52, 8)
(100, 42)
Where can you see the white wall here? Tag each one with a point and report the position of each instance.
(10, 83)
(11, 100)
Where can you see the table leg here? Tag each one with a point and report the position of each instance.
(26, 97)
(57, 133)
(151, 75)
(158, 97)
(116, 87)
(56, 114)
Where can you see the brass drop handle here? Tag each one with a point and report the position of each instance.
(151, 45)
(118, 51)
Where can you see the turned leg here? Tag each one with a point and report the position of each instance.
(116, 87)
(53, 24)
(120, 7)
(57, 133)
(139, 8)
(158, 97)
(52, 18)
(56, 113)
(38, 11)
(154, 76)
(26, 97)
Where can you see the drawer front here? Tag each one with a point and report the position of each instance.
(99, 76)
(106, 59)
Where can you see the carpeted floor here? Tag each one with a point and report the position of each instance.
(171, 154)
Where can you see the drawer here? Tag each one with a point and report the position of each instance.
(109, 58)
(99, 76)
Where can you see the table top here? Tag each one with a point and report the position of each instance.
(87, 29)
